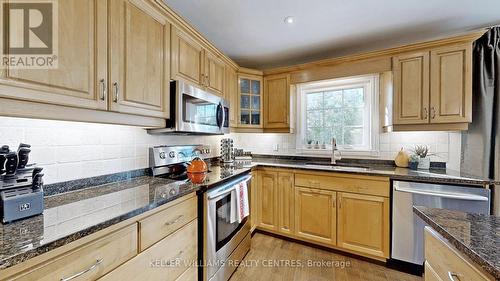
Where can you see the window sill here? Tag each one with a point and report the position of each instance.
(328, 152)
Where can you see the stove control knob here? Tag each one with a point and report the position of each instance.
(162, 155)
(171, 154)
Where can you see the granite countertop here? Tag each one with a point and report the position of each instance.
(374, 167)
(74, 214)
(476, 236)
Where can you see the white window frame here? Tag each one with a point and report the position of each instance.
(370, 83)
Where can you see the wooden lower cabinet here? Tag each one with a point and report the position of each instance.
(166, 260)
(342, 211)
(316, 215)
(95, 259)
(156, 227)
(115, 253)
(286, 200)
(363, 223)
(444, 262)
(267, 203)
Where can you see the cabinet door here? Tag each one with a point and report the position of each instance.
(80, 76)
(267, 200)
(187, 57)
(214, 74)
(139, 51)
(316, 215)
(277, 101)
(285, 203)
(250, 101)
(363, 224)
(231, 95)
(451, 84)
(411, 88)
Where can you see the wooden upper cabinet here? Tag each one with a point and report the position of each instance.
(187, 57)
(82, 56)
(411, 88)
(250, 101)
(266, 200)
(451, 84)
(363, 223)
(139, 58)
(316, 215)
(215, 74)
(286, 194)
(231, 95)
(277, 102)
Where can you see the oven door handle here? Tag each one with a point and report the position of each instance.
(227, 188)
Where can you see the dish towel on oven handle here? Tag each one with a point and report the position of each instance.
(239, 202)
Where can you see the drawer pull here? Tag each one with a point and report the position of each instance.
(177, 219)
(453, 276)
(117, 91)
(103, 89)
(96, 264)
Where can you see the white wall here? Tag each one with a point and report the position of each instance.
(72, 150)
(446, 145)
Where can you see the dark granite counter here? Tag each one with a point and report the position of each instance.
(74, 214)
(374, 167)
(476, 236)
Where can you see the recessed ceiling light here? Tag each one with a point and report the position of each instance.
(289, 20)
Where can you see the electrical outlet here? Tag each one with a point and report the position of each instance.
(276, 147)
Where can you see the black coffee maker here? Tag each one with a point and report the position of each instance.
(21, 184)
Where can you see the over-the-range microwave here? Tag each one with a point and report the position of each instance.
(195, 111)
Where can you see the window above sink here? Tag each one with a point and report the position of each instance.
(345, 109)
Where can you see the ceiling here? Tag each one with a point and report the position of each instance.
(253, 32)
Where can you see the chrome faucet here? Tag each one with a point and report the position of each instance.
(336, 155)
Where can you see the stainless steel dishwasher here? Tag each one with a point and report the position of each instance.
(408, 228)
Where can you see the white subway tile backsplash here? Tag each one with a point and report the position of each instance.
(72, 150)
(446, 145)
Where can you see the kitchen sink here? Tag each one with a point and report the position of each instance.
(337, 167)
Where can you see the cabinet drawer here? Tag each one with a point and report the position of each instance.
(446, 260)
(357, 184)
(91, 261)
(161, 224)
(165, 260)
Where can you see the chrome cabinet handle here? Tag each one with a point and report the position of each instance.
(103, 89)
(115, 85)
(433, 112)
(426, 113)
(453, 276)
(177, 219)
(96, 264)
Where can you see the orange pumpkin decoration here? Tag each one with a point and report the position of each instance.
(197, 178)
(197, 170)
(197, 166)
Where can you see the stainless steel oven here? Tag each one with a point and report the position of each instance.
(195, 111)
(225, 242)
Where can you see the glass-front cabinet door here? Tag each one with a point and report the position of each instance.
(250, 101)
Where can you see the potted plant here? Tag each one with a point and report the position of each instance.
(413, 162)
(424, 161)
